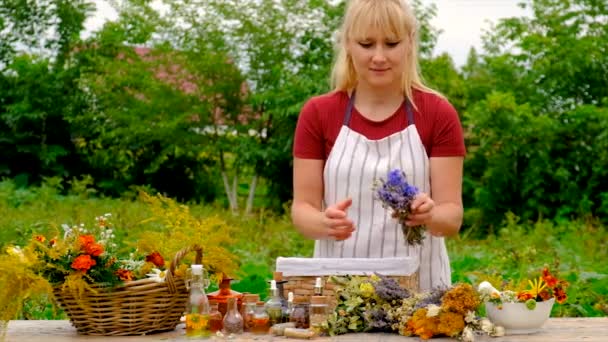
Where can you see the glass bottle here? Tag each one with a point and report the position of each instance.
(249, 304)
(278, 277)
(287, 315)
(273, 305)
(300, 313)
(318, 313)
(223, 293)
(197, 315)
(260, 319)
(216, 321)
(233, 321)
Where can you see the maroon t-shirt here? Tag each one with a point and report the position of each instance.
(322, 117)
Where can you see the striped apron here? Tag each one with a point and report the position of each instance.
(352, 166)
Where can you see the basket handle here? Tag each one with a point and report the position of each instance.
(177, 259)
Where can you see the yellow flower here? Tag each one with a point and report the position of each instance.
(367, 290)
(375, 278)
(536, 287)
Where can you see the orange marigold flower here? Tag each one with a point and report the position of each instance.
(40, 238)
(545, 295)
(53, 242)
(124, 275)
(86, 240)
(524, 296)
(560, 295)
(94, 249)
(83, 263)
(156, 259)
(549, 279)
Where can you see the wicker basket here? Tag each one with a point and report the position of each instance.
(138, 307)
(302, 283)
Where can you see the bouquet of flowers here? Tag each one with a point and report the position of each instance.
(540, 289)
(395, 193)
(82, 259)
(88, 256)
(378, 303)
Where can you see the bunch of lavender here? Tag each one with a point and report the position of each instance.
(395, 193)
(378, 319)
(388, 289)
(433, 297)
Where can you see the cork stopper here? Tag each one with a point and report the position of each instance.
(318, 300)
(260, 303)
(251, 297)
(278, 276)
(300, 300)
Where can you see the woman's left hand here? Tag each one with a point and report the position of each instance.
(421, 210)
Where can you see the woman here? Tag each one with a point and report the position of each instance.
(379, 117)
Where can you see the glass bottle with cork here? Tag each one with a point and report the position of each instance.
(300, 313)
(249, 307)
(223, 293)
(215, 317)
(233, 321)
(197, 315)
(260, 320)
(318, 313)
(273, 305)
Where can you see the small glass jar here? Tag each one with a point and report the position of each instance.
(249, 304)
(215, 317)
(260, 322)
(300, 313)
(319, 311)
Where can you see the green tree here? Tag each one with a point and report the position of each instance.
(38, 86)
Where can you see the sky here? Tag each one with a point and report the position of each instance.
(461, 21)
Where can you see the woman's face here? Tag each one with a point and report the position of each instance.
(378, 60)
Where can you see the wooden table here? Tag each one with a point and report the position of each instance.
(555, 330)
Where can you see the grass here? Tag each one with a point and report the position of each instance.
(516, 252)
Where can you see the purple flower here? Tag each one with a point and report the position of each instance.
(397, 194)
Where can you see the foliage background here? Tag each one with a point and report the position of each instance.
(200, 101)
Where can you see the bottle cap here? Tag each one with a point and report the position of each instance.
(278, 276)
(273, 284)
(197, 269)
(318, 300)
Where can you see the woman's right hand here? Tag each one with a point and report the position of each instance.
(335, 219)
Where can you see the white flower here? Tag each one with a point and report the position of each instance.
(67, 231)
(498, 331)
(157, 275)
(485, 288)
(470, 317)
(486, 325)
(467, 335)
(432, 310)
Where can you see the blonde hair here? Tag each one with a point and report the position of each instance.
(395, 19)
